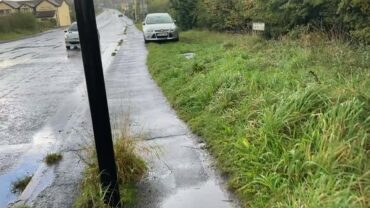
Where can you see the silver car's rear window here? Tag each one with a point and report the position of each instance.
(158, 19)
(73, 27)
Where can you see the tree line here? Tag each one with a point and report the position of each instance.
(346, 18)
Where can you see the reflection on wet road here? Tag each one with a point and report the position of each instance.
(36, 75)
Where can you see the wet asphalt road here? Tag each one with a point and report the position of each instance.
(37, 75)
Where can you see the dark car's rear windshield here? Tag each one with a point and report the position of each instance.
(158, 19)
(73, 27)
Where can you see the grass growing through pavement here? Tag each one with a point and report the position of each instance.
(120, 42)
(131, 168)
(21, 184)
(52, 158)
(288, 121)
(125, 30)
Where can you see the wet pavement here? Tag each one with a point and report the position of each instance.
(44, 109)
(42, 94)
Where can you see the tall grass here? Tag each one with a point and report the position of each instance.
(288, 121)
(130, 167)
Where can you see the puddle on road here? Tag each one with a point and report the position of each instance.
(9, 62)
(207, 194)
(74, 53)
(27, 166)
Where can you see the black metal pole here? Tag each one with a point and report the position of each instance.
(90, 48)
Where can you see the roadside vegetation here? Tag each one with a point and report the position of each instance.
(288, 120)
(18, 25)
(348, 19)
(131, 169)
(21, 184)
(139, 26)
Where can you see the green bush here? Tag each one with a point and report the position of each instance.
(23, 21)
(47, 23)
(4, 24)
(185, 12)
(356, 14)
(158, 6)
(338, 18)
(18, 21)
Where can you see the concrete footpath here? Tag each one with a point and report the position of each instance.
(181, 177)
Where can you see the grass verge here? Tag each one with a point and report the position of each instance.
(16, 35)
(139, 26)
(288, 121)
(131, 169)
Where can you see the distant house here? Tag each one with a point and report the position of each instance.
(7, 8)
(57, 10)
(26, 6)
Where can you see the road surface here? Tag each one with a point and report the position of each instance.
(38, 78)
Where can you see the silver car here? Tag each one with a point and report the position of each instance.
(160, 26)
(71, 36)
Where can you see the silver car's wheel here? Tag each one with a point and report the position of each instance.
(68, 47)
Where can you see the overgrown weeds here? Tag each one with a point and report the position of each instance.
(21, 184)
(125, 30)
(288, 121)
(53, 158)
(130, 166)
(120, 42)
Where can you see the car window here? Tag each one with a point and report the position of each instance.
(73, 27)
(158, 19)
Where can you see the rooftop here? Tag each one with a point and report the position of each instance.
(17, 3)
